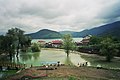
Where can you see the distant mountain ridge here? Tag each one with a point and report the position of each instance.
(66, 32)
(112, 29)
(45, 34)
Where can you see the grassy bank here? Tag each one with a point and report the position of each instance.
(95, 60)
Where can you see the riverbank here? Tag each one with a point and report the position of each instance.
(67, 72)
(100, 60)
(94, 60)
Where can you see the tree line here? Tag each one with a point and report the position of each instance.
(107, 46)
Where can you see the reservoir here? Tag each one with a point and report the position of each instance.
(48, 55)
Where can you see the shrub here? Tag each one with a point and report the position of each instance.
(35, 47)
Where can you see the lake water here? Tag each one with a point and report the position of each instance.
(49, 40)
(49, 56)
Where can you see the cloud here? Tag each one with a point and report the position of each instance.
(111, 11)
(77, 15)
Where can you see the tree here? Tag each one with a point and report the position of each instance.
(118, 47)
(95, 40)
(67, 43)
(13, 42)
(25, 43)
(17, 35)
(16, 40)
(35, 47)
(1, 40)
(108, 48)
(7, 46)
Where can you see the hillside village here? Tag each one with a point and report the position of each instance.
(58, 43)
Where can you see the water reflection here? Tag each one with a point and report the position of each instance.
(36, 55)
(24, 57)
(48, 55)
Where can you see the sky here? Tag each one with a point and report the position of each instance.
(58, 15)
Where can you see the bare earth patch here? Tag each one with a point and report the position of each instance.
(66, 71)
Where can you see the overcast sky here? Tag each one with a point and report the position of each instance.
(59, 15)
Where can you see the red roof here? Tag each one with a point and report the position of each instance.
(41, 41)
(56, 42)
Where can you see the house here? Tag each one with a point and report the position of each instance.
(57, 43)
(86, 40)
(78, 43)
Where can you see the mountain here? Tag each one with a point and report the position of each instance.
(66, 32)
(112, 29)
(45, 34)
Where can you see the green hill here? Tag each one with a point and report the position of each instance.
(66, 32)
(45, 34)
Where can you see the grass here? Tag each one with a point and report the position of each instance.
(95, 60)
(7, 73)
